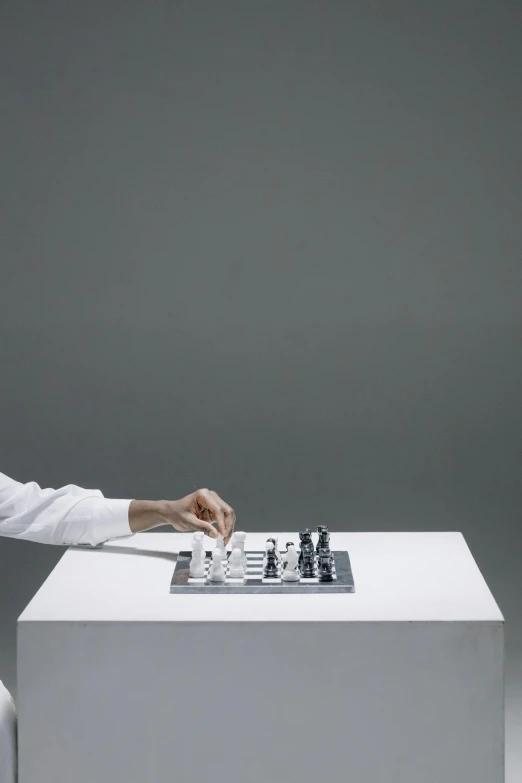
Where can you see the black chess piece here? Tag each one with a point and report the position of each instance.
(277, 555)
(306, 539)
(307, 556)
(323, 552)
(325, 565)
(319, 532)
(270, 570)
(324, 538)
(307, 567)
(307, 545)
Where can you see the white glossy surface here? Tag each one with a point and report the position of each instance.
(401, 681)
(398, 576)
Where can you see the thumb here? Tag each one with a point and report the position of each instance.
(205, 527)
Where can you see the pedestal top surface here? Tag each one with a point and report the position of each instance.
(399, 577)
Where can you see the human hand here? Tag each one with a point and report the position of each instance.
(198, 511)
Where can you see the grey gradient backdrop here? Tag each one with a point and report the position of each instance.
(273, 248)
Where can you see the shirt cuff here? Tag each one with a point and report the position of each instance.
(112, 518)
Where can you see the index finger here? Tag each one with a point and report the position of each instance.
(229, 517)
(207, 502)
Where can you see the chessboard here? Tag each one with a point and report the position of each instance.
(254, 582)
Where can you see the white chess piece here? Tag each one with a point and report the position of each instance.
(291, 571)
(198, 542)
(240, 544)
(216, 572)
(220, 547)
(236, 569)
(197, 568)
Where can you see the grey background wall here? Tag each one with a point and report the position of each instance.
(272, 248)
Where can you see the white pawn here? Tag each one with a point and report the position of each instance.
(232, 541)
(197, 567)
(240, 544)
(291, 572)
(235, 568)
(217, 572)
(220, 547)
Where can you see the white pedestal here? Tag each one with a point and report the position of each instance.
(400, 682)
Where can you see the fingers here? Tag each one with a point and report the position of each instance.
(200, 524)
(228, 515)
(220, 512)
(230, 521)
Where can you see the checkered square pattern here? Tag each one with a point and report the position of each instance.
(253, 572)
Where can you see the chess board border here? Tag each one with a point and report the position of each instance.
(344, 582)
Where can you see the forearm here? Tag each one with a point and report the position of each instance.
(146, 514)
(72, 515)
(64, 516)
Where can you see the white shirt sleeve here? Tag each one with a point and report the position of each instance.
(69, 515)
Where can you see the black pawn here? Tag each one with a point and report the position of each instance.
(270, 569)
